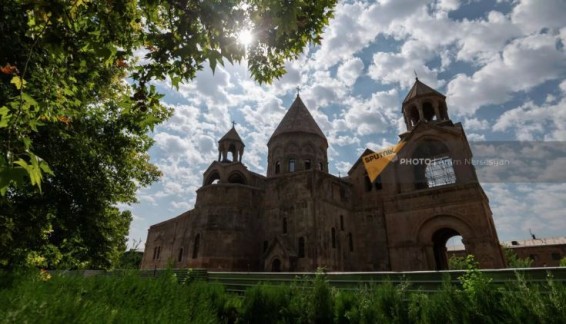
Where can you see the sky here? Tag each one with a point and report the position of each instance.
(500, 63)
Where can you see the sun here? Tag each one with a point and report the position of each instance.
(245, 37)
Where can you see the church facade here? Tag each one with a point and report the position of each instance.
(299, 217)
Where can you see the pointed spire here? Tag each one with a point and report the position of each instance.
(421, 89)
(298, 119)
(232, 134)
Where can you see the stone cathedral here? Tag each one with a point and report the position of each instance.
(299, 217)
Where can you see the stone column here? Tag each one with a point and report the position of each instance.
(437, 111)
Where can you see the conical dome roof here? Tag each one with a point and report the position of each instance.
(232, 135)
(298, 119)
(421, 89)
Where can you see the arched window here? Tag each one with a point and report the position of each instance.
(156, 252)
(214, 178)
(232, 150)
(307, 164)
(333, 233)
(440, 171)
(434, 167)
(196, 246)
(341, 222)
(351, 242)
(284, 225)
(414, 115)
(237, 177)
(320, 166)
(277, 167)
(180, 256)
(301, 247)
(428, 112)
(291, 165)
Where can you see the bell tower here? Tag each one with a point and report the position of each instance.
(230, 143)
(439, 195)
(423, 104)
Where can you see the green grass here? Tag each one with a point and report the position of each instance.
(128, 298)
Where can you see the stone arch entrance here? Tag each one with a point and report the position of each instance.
(433, 235)
(439, 239)
(276, 265)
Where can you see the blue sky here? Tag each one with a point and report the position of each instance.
(501, 64)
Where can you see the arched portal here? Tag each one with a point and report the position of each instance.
(276, 265)
(439, 239)
(433, 235)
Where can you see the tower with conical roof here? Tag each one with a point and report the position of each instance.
(297, 144)
(231, 143)
(423, 104)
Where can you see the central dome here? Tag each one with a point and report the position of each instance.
(297, 144)
(298, 119)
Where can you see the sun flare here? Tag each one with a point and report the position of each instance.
(245, 37)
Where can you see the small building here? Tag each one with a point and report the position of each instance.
(299, 217)
(545, 252)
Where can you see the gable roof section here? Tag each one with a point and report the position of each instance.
(284, 246)
(421, 89)
(298, 119)
(359, 160)
(231, 135)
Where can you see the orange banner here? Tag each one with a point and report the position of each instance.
(376, 162)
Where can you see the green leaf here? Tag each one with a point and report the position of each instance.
(10, 176)
(4, 116)
(28, 99)
(17, 82)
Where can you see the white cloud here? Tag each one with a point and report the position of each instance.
(535, 122)
(481, 40)
(350, 70)
(181, 205)
(524, 64)
(535, 15)
(475, 124)
(372, 116)
(520, 208)
(399, 67)
(172, 144)
(448, 5)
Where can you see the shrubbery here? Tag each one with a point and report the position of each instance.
(128, 298)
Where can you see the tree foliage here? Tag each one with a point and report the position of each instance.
(73, 140)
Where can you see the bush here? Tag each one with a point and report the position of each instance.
(267, 304)
(456, 263)
(513, 260)
(34, 296)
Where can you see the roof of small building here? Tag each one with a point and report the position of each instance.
(536, 242)
(298, 119)
(421, 89)
(521, 243)
(231, 135)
